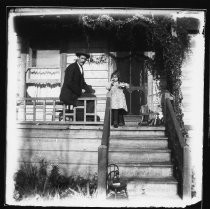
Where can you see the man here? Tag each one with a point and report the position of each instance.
(74, 84)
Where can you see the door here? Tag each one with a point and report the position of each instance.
(132, 71)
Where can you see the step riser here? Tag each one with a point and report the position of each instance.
(137, 133)
(146, 172)
(136, 188)
(131, 123)
(126, 157)
(139, 143)
(132, 118)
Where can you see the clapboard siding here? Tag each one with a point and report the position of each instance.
(100, 90)
(57, 144)
(97, 82)
(73, 148)
(95, 74)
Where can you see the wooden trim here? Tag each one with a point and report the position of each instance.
(61, 123)
(58, 100)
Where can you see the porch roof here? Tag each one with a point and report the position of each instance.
(65, 23)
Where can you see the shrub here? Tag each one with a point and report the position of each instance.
(32, 180)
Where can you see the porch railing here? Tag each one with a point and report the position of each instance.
(103, 150)
(180, 150)
(51, 110)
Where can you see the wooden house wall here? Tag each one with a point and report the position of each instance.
(73, 148)
(193, 98)
(193, 84)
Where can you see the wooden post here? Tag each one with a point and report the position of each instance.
(34, 110)
(53, 116)
(24, 110)
(95, 111)
(44, 110)
(75, 113)
(106, 128)
(63, 66)
(85, 108)
(187, 178)
(102, 172)
(130, 83)
(22, 65)
(64, 112)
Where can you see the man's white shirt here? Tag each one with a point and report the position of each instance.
(80, 67)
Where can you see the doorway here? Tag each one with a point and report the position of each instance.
(132, 71)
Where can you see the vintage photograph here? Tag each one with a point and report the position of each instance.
(105, 107)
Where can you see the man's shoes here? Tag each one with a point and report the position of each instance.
(115, 125)
(121, 124)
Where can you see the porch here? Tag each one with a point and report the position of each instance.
(80, 140)
(152, 162)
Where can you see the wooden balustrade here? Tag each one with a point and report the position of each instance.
(180, 150)
(51, 110)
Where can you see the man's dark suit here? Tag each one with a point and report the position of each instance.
(73, 84)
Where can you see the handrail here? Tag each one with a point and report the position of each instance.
(106, 127)
(175, 122)
(103, 152)
(180, 150)
(57, 98)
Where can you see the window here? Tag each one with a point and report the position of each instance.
(45, 58)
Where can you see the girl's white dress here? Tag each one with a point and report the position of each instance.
(118, 100)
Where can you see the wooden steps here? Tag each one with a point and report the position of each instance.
(136, 131)
(144, 160)
(152, 186)
(132, 119)
(140, 155)
(146, 170)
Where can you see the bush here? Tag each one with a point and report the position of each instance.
(32, 180)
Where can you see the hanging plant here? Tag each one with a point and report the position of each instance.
(169, 41)
(98, 59)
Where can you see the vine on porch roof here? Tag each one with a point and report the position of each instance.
(169, 41)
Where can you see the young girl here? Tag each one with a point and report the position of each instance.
(118, 102)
